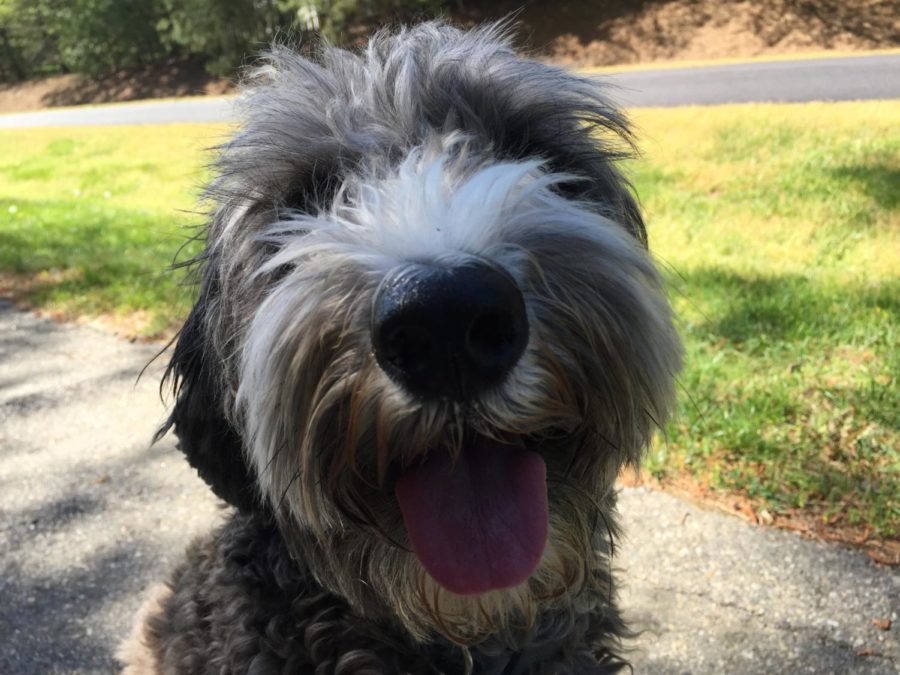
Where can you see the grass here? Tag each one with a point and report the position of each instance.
(778, 227)
(780, 230)
(91, 218)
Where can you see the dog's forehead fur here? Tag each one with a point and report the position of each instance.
(307, 124)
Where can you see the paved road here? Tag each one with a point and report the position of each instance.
(212, 109)
(90, 516)
(834, 79)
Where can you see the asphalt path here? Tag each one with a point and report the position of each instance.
(91, 515)
(213, 109)
(833, 79)
(828, 79)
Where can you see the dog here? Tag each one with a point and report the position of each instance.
(428, 336)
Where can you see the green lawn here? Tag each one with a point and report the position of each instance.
(91, 218)
(780, 229)
(778, 226)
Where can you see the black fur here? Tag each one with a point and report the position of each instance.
(240, 604)
(208, 440)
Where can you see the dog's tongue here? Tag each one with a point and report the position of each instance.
(480, 523)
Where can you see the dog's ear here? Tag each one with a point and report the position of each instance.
(209, 441)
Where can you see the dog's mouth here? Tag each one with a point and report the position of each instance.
(477, 522)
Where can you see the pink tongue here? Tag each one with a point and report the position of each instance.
(480, 523)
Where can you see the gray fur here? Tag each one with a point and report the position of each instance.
(438, 145)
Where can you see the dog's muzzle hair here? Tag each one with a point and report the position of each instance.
(429, 332)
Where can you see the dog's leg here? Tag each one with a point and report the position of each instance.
(140, 650)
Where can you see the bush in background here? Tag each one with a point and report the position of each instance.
(42, 37)
(39, 37)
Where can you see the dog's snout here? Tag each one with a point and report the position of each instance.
(448, 332)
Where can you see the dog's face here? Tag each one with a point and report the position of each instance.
(429, 330)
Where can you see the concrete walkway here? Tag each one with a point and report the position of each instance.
(90, 516)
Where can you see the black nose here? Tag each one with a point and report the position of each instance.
(448, 332)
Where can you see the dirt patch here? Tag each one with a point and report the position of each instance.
(162, 81)
(807, 522)
(601, 33)
(132, 326)
(628, 31)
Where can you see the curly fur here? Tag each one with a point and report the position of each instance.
(242, 604)
(431, 145)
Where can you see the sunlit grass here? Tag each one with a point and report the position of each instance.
(91, 218)
(777, 225)
(793, 189)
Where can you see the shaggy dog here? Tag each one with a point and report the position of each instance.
(427, 338)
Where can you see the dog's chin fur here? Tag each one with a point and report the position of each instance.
(438, 146)
(572, 578)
